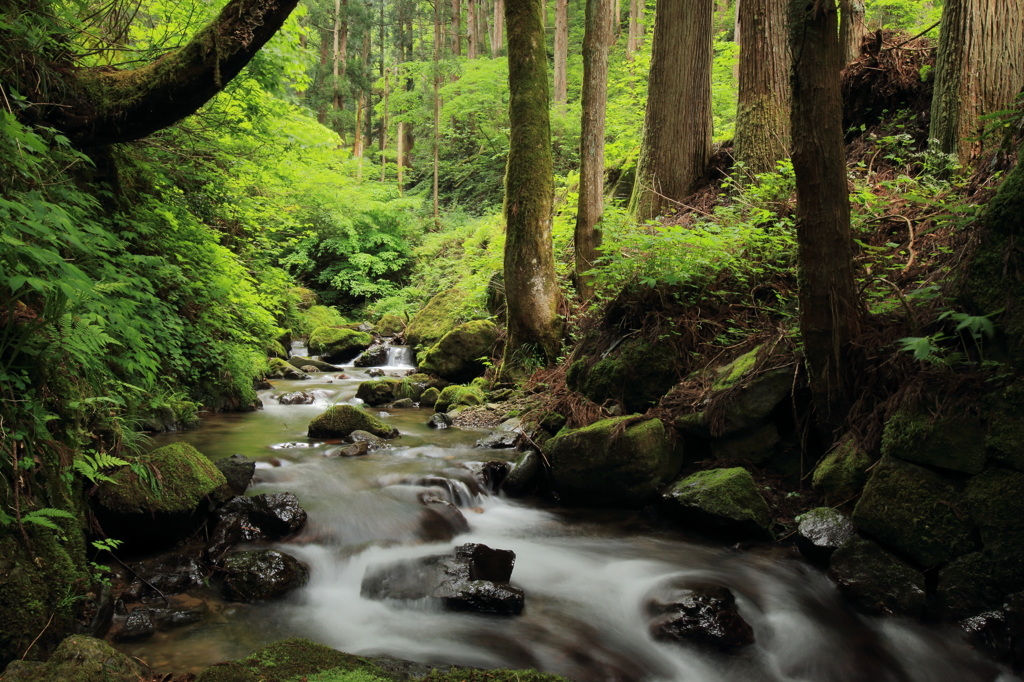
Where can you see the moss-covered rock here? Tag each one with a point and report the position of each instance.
(751, 397)
(184, 478)
(995, 499)
(276, 349)
(441, 315)
(334, 344)
(299, 362)
(966, 585)
(389, 325)
(1005, 439)
(279, 369)
(454, 396)
(956, 442)
(461, 354)
(637, 372)
(429, 397)
(875, 581)
(377, 391)
(718, 501)
(590, 467)
(755, 445)
(81, 659)
(339, 421)
(293, 660)
(915, 511)
(842, 472)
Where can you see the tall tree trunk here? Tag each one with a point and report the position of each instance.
(676, 144)
(498, 30)
(400, 154)
(456, 28)
(339, 57)
(410, 85)
(737, 27)
(762, 117)
(384, 130)
(980, 69)
(482, 27)
(472, 46)
(829, 310)
(325, 55)
(633, 34)
(851, 28)
(437, 99)
(561, 53)
(531, 288)
(597, 38)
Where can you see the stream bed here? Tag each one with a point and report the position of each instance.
(587, 574)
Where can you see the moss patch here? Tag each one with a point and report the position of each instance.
(916, 512)
(637, 372)
(590, 468)
(454, 396)
(469, 675)
(842, 472)
(338, 421)
(955, 443)
(719, 500)
(186, 477)
(461, 354)
(293, 660)
(389, 325)
(996, 503)
(429, 397)
(728, 376)
(441, 315)
(335, 344)
(84, 659)
(1005, 439)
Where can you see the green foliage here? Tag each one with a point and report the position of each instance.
(91, 466)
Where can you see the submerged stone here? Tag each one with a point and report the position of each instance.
(339, 421)
(702, 614)
(875, 581)
(718, 501)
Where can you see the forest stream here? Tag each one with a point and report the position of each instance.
(587, 574)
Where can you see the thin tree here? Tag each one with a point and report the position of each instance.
(762, 116)
(472, 46)
(561, 53)
(482, 29)
(498, 28)
(437, 99)
(676, 144)
(636, 27)
(597, 37)
(829, 308)
(384, 129)
(980, 69)
(456, 28)
(852, 28)
(339, 56)
(531, 287)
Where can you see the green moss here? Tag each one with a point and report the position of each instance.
(186, 477)
(720, 497)
(336, 344)
(298, 361)
(916, 512)
(389, 325)
(955, 443)
(637, 372)
(730, 375)
(470, 675)
(377, 391)
(429, 397)
(996, 503)
(842, 472)
(461, 354)
(339, 421)
(1005, 438)
(590, 468)
(293, 660)
(454, 396)
(276, 349)
(84, 659)
(279, 369)
(441, 315)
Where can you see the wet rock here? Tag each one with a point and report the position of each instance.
(178, 615)
(372, 441)
(383, 415)
(136, 626)
(79, 659)
(297, 398)
(439, 420)
(474, 578)
(337, 345)
(956, 443)
(966, 586)
(705, 615)
(718, 501)
(168, 574)
(375, 372)
(319, 365)
(355, 450)
(524, 476)
(457, 355)
(279, 369)
(238, 471)
(821, 532)
(452, 521)
(338, 421)
(915, 511)
(309, 369)
(429, 397)
(498, 440)
(493, 474)
(262, 574)
(247, 519)
(875, 581)
(374, 356)
(404, 403)
(591, 468)
(995, 500)
(990, 632)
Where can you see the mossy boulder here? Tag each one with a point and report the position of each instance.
(1005, 439)
(955, 442)
(279, 369)
(441, 315)
(389, 325)
(339, 421)
(321, 366)
(429, 397)
(383, 391)
(995, 500)
(455, 396)
(276, 350)
(916, 512)
(718, 501)
(186, 479)
(842, 472)
(875, 581)
(80, 659)
(966, 585)
(591, 467)
(461, 354)
(637, 372)
(338, 344)
(751, 397)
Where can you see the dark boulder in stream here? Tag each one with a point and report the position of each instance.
(439, 420)
(875, 581)
(523, 477)
(374, 356)
(339, 421)
(247, 519)
(702, 614)
(238, 471)
(821, 532)
(296, 398)
(474, 578)
(262, 574)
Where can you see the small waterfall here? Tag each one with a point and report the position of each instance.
(401, 357)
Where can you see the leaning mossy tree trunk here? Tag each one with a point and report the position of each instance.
(106, 105)
(531, 288)
(829, 310)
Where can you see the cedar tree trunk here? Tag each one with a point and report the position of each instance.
(561, 52)
(851, 28)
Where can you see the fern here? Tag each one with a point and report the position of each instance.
(92, 466)
(42, 517)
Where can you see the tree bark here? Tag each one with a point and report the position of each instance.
(762, 117)
(531, 288)
(119, 105)
(472, 47)
(456, 21)
(633, 34)
(339, 60)
(829, 308)
(437, 99)
(561, 53)
(980, 69)
(384, 129)
(676, 144)
(597, 38)
(498, 29)
(851, 28)
(483, 30)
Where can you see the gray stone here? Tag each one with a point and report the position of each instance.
(523, 477)
(262, 574)
(238, 470)
(821, 532)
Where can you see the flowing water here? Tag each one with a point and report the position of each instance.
(587, 574)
